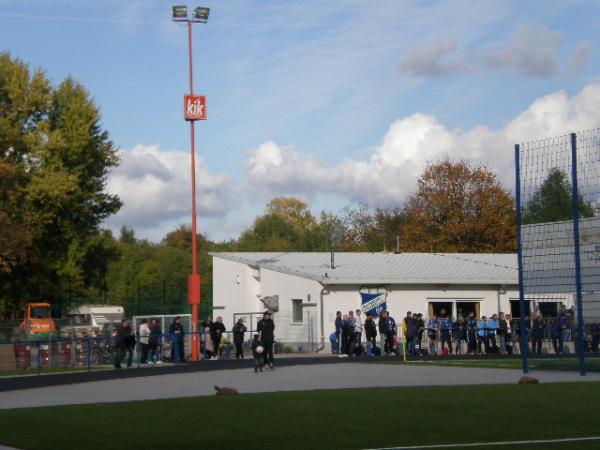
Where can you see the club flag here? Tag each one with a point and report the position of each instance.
(374, 304)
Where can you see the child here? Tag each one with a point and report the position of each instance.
(258, 357)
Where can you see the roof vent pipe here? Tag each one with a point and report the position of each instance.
(397, 244)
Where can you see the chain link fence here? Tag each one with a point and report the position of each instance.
(558, 201)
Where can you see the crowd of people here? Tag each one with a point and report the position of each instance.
(415, 335)
(441, 334)
(214, 343)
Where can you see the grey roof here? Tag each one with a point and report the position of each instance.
(388, 268)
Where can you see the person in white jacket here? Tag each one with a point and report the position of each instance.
(358, 329)
(144, 332)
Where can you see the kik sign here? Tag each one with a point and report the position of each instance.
(194, 107)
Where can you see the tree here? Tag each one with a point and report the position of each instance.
(54, 160)
(287, 225)
(553, 201)
(459, 208)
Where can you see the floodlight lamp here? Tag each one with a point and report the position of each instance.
(201, 14)
(180, 12)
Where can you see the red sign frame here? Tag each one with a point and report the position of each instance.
(194, 107)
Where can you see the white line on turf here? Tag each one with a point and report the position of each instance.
(483, 444)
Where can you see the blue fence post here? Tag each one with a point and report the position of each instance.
(522, 327)
(580, 346)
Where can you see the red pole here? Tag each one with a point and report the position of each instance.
(194, 279)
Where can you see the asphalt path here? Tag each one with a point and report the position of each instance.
(290, 376)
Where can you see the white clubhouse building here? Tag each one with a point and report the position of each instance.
(304, 291)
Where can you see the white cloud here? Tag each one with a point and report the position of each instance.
(390, 173)
(154, 185)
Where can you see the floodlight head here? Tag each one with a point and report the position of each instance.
(180, 12)
(201, 14)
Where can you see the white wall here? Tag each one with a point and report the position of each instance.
(237, 288)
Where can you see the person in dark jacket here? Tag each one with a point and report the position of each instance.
(389, 325)
(409, 333)
(471, 325)
(420, 329)
(154, 342)
(459, 332)
(556, 335)
(120, 340)
(130, 342)
(216, 332)
(239, 331)
(338, 332)
(266, 330)
(381, 328)
(537, 334)
(177, 340)
(445, 329)
(371, 334)
(595, 331)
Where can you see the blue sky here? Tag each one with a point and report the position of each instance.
(336, 102)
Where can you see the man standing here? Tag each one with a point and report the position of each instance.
(409, 334)
(154, 342)
(177, 340)
(537, 334)
(482, 336)
(419, 329)
(390, 333)
(433, 329)
(502, 332)
(351, 335)
(471, 334)
(492, 330)
(239, 331)
(216, 332)
(120, 337)
(266, 330)
(371, 334)
(358, 329)
(144, 333)
(445, 328)
(338, 332)
(129, 343)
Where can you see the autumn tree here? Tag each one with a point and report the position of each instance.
(459, 208)
(553, 201)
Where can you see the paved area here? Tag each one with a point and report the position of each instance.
(286, 378)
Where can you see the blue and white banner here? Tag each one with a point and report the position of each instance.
(374, 303)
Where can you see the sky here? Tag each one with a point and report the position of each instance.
(338, 103)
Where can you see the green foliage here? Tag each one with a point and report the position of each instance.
(553, 202)
(54, 159)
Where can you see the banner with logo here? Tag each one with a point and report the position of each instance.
(373, 303)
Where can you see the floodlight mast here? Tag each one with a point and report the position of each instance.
(194, 284)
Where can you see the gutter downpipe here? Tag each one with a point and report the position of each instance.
(323, 292)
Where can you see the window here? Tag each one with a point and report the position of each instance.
(297, 316)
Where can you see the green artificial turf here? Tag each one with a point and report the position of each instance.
(325, 419)
(569, 364)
